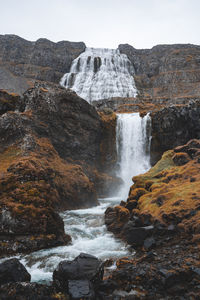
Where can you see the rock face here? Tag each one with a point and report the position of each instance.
(50, 160)
(170, 71)
(23, 62)
(173, 126)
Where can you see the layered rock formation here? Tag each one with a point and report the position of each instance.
(23, 62)
(50, 157)
(166, 71)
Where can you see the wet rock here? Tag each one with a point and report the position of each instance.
(13, 271)
(136, 236)
(81, 289)
(83, 268)
(149, 243)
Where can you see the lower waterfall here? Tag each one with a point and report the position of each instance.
(86, 226)
(133, 148)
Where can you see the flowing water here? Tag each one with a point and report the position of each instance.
(101, 74)
(133, 148)
(86, 226)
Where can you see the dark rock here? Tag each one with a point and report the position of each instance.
(197, 271)
(13, 271)
(81, 289)
(131, 205)
(173, 277)
(185, 121)
(181, 159)
(8, 102)
(110, 216)
(72, 124)
(136, 236)
(107, 286)
(83, 267)
(28, 291)
(149, 243)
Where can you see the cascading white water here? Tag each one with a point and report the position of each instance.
(133, 148)
(101, 74)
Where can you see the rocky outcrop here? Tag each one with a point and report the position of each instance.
(23, 62)
(50, 160)
(169, 71)
(157, 202)
(173, 126)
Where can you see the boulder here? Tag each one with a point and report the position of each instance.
(80, 276)
(13, 271)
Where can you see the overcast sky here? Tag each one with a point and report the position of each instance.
(104, 23)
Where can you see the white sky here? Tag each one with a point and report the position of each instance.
(104, 23)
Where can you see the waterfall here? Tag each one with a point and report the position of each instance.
(101, 74)
(133, 148)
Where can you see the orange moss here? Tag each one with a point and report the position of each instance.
(136, 193)
(8, 157)
(173, 193)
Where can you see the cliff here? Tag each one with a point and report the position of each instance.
(169, 71)
(23, 62)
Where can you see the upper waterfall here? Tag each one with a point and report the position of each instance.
(101, 74)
